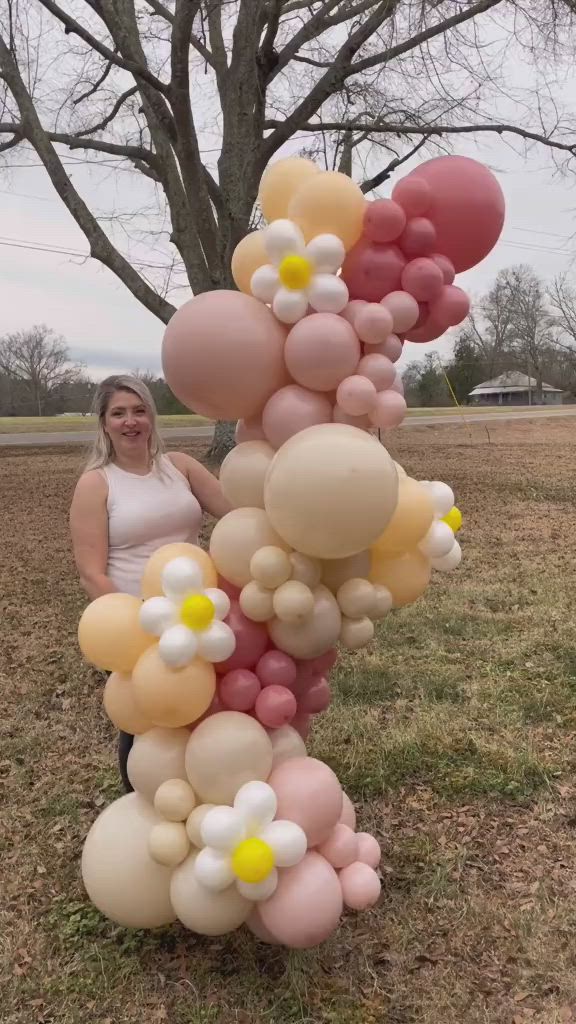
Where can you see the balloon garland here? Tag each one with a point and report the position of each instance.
(220, 668)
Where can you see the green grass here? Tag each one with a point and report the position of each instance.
(64, 424)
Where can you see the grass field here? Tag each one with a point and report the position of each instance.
(455, 734)
(65, 424)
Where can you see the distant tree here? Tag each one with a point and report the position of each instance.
(37, 362)
(467, 368)
(533, 333)
(425, 384)
(166, 403)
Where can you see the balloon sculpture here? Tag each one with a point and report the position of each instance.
(220, 667)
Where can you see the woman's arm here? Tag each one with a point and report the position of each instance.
(203, 484)
(89, 528)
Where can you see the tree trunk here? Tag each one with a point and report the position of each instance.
(223, 441)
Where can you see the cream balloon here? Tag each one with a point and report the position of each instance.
(248, 255)
(237, 537)
(331, 490)
(173, 697)
(203, 910)
(356, 633)
(316, 635)
(271, 567)
(174, 800)
(257, 602)
(306, 570)
(329, 203)
(286, 743)
(411, 521)
(336, 572)
(120, 706)
(225, 751)
(120, 877)
(356, 598)
(243, 473)
(152, 579)
(279, 183)
(157, 757)
(194, 824)
(293, 602)
(168, 843)
(110, 635)
(405, 576)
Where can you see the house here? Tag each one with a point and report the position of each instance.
(514, 388)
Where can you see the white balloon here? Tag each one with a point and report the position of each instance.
(442, 497)
(289, 306)
(220, 600)
(327, 294)
(178, 646)
(259, 891)
(223, 828)
(327, 252)
(182, 576)
(213, 869)
(157, 614)
(217, 643)
(257, 803)
(287, 841)
(438, 541)
(450, 561)
(283, 238)
(264, 283)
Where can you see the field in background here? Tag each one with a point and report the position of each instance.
(57, 424)
(455, 734)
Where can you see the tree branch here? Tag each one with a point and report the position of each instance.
(109, 117)
(384, 174)
(96, 85)
(161, 11)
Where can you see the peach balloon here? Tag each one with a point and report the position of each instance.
(287, 744)
(368, 849)
(223, 354)
(348, 816)
(248, 255)
(405, 576)
(249, 430)
(308, 793)
(279, 183)
(243, 473)
(257, 602)
(157, 756)
(120, 706)
(321, 350)
(110, 635)
(202, 910)
(225, 751)
(120, 877)
(152, 579)
(360, 886)
(173, 697)
(237, 538)
(306, 570)
(411, 520)
(293, 409)
(341, 847)
(307, 904)
(331, 490)
(329, 202)
(316, 635)
(336, 572)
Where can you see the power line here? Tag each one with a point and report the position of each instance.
(15, 243)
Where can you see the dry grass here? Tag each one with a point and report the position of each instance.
(66, 424)
(455, 734)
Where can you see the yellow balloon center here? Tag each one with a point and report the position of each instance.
(197, 612)
(453, 519)
(295, 273)
(252, 861)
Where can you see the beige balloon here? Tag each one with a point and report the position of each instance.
(305, 569)
(110, 635)
(400, 469)
(173, 697)
(237, 537)
(382, 602)
(316, 635)
(120, 706)
(168, 843)
(243, 473)
(286, 743)
(120, 877)
(248, 255)
(279, 183)
(356, 633)
(174, 800)
(202, 910)
(194, 823)
(271, 567)
(157, 757)
(405, 576)
(411, 520)
(335, 572)
(293, 602)
(331, 490)
(329, 202)
(257, 602)
(225, 751)
(152, 579)
(356, 598)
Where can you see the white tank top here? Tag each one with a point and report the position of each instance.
(144, 513)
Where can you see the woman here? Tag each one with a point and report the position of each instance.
(133, 499)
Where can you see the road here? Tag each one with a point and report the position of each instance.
(197, 433)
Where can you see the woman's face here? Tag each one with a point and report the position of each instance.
(128, 424)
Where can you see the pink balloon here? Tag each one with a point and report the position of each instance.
(384, 220)
(467, 208)
(356, 395)
(341, 847)
(249, 430)
(251, 642)
(292, 409)
(398, 385)
(302, 723)
(239, 689)
(451, 307)
(389, 410)
(423, 279)
(446, 266)
(316, 697)
(275, 706)
(321, 350)
(277, 669)
(428, 330)
(229, 588)
(348, 816)
(423, 316)
(307, 904)
(392, 348)
(378, 369)
(339, 416)
(223, 354)
(360, 886)
(418, 237)
(371, 271)
(257, 927)
(413, 194)
(404, 309)
(373, 324)
(368, 849)
(308, 793)
(324, 663)
(350, 312)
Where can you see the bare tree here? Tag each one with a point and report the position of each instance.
(562, 296)
(39, 361)
(193, 98)
(489, 328)
(533, 327)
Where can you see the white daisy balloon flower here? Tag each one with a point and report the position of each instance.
(300, 275)
(188, 619)
(439, 544)
(246, 846)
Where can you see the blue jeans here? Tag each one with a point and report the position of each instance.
(125, 742)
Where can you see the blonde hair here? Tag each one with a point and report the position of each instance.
(102, 452)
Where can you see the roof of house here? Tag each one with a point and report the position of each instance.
(509, 382)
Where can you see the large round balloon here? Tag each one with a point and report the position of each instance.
(405, 576)
(120, 876)
(172, 697)
(110, 635)
(308, 792)
(222, 354)
(466, 206)
(331, 490)
(329, 203)
(156, 757)
(279, 183)
(316, 635)
(411, 520)
(203, 910)
(121, 707)
(152, 579)
(237, 537)
(225, 751)
(243, 472)
(307, 904)
(248, 256)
